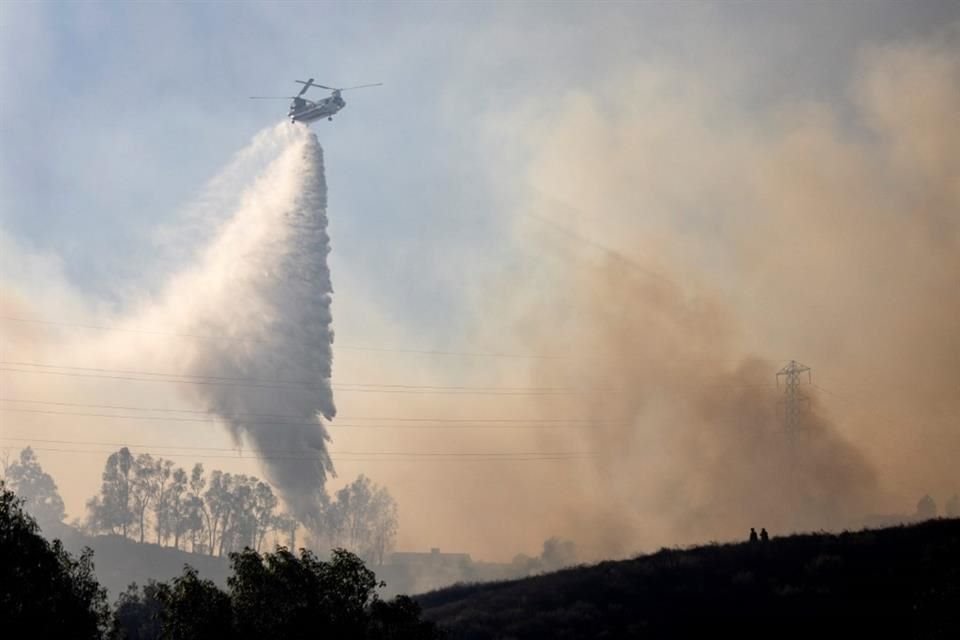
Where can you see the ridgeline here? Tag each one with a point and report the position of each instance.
(901, 582)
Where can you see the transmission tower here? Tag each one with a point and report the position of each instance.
(792, 397)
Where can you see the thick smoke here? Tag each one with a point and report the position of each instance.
(688, 439)
(744, 236)
(796, 232)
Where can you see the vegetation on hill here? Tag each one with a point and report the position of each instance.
(898, 582)
(150, 499)
(274, 595)
(46, 593)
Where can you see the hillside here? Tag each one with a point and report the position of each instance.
(897, 582)
(118, 561)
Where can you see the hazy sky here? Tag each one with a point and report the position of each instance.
(114, 116)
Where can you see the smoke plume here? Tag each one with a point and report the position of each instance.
(743, 240)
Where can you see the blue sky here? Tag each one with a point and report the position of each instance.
(114, 115)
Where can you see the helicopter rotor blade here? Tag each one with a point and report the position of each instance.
(272, 97)
(306, 85)
(323, 86)
(361, 86)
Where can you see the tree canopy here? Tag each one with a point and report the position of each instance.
(150, 499)
(43, 589)
(37, 489)
(273, 595)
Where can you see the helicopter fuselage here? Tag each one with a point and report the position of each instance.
(303, 110)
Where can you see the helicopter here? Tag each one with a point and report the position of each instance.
(304, 110)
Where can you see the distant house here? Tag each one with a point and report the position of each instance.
(432, 559)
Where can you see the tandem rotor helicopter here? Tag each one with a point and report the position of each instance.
(304, 110)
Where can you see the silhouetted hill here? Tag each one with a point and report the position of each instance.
(899, 582)
(118, 561)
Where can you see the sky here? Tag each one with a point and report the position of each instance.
(473, 199)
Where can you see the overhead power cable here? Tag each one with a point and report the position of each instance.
(358, 387)
(355, 457)
(340, 421)
(372, 349)
(299, 454)
(338, 346)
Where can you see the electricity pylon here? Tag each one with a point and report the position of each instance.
(792, 397)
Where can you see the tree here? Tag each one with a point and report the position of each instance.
(136, 615)
(264, 504)
(363, 518)
(163, 474)
(557, 554)
(175, 508)
(37, 489)
(236, 507)
(44, 591)
(926, 508)
(240, 529)
(952, 508)
(216, 507)
(275, 595)
(280, 595)
(283, 522)
(143, 489)
(399, 619)
(196, 511)
(194, 609)
(110, 511)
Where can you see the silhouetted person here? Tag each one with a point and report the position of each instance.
(753, 534)
(764, 536)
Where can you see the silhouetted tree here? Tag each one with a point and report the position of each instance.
(399, 619)
(194, 609)
(363, 518)
(39, 492)
(110, 511)
(174, 508)
(196, 510)
(163, 477)
(136, 616)
(275, 595)
(143, 489)
(952, 508)
(557, 554)
(280, 595)
(287, 524)
(44, 591)
(926, 508)
(263, 507)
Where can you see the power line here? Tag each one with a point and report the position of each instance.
(381, 349)
(380, 456)
(339, 422)
(294, 454)
(347, 347)
(357, 387)
(212, 420)
(350, 387)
